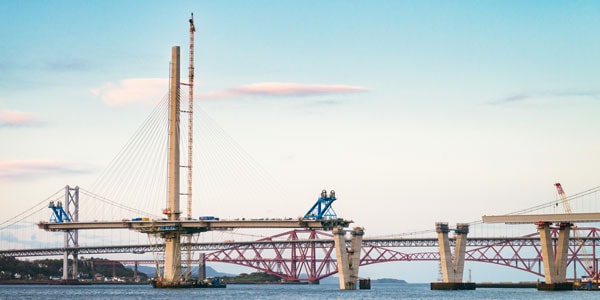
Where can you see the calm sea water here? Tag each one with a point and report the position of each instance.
(247, 292)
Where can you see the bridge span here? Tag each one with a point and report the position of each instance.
(521, 241)
(312, 259)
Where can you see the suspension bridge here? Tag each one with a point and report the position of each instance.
(132, 189)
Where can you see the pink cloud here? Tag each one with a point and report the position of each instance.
(15, 118)
(147, 91)
(31, 169)
(274, 89)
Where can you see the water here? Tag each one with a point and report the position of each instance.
(247, 292)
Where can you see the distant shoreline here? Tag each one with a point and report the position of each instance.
(54, 282)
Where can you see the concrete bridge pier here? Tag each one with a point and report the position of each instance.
(452, 267)
(136, 276)
(348, 260)
(555, 264)
(202, 267)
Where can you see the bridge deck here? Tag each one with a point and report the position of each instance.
(194, 226)
(530, 219)
(210, 246)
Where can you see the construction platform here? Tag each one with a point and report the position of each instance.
(562, 286)
(186, 284)
(452, 285)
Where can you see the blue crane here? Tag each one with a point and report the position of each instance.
(322, 209)
(59, 215)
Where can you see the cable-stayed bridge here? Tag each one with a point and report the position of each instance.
(132, 186)
(138, 183)
(308, 254)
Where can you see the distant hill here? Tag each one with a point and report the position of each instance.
(260, 276)
(44, 269)
(210, 272)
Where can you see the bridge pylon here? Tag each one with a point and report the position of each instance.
(555, 263)
(452, 266)
(348, 259)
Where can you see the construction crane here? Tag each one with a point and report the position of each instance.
(589, 268)
(58, 213)
(322, 208)
(190, 111)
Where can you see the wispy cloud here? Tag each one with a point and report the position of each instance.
(14, 170)
(146, 91)
(151, 90)
(15, 118)
(283, 89)
(521, 97)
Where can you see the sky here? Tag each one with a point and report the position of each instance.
(414, 112)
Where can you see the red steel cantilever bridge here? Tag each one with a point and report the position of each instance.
(294, 258)
(308, 255)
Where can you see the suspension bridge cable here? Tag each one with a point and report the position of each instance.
(519, 212)
(553, 203)
(110, 202)
(23, 218)
(233, 165)
(145, 158)
(132, 175)
(157, 185)
(29, 210)
(128, 169)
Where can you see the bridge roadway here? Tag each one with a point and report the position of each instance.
(193, 226)
(390, 243)
(552, 218)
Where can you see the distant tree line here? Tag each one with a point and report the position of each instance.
(45, 269)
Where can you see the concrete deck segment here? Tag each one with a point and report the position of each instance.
(160, 225)
(530, 219)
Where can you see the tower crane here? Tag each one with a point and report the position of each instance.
(589, 268)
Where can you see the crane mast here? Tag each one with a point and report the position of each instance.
(589, 268)
(563, 198)
(190, 112)
(191, 116)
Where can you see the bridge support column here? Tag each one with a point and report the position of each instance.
(65, 275)
(135, 272)
(202, 267)
(348, 260)
(452, 267)
(71, 236)
(172, 267)
(555, 264)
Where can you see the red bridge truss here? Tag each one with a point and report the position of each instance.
(308, 255)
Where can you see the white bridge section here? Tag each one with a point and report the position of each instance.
(555, 262)
(554, 218)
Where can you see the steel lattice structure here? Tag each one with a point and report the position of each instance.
(308, 255)
(312, 261)
(309, 260)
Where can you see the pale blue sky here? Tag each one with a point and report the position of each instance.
(450, 109)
